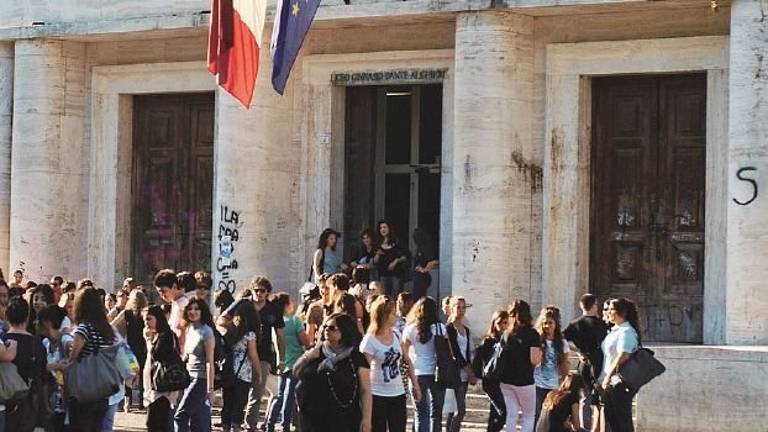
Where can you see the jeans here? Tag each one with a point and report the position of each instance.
(516, 399)
(618, 408)
(453, 423)
(108, 424)
(389, 413)
(429, 410)
(254, 397)
(88, 416)
(194, 407)
(497, 415)
(235, 397)
(282, 403)
(159, 415)
(392, 285)
(541, 394)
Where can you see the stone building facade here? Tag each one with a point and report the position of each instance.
(553, 148)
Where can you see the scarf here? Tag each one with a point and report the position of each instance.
(332, 357)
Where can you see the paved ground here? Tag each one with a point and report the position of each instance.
(477, 414)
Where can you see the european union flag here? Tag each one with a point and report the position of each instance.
(292, 22)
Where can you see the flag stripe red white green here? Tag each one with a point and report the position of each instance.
(234, 45)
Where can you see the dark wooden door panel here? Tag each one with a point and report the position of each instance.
(172, 183)
(647, 230)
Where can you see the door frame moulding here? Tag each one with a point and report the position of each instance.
(566, 236)
(111, 147)
(322, 106)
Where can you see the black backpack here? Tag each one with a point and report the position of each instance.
(493, 367)
(223, 359)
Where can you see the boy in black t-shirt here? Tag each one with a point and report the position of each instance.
(586, 334)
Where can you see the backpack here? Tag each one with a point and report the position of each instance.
(223, 359)
(492, 370)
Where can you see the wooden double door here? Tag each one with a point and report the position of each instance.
(172, 183)
(648, 188)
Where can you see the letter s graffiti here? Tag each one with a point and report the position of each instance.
(746, 179)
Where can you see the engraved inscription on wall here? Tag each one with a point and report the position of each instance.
(397, 76)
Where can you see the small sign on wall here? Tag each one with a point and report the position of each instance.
(397, 76)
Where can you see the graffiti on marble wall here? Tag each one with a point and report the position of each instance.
(228, 236)
(740, 174)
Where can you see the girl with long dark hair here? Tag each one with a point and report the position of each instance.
(554, 361)
(92, 333)
(326, 259)
(623, 339)
(335, 389)
(162, 349)
(522, 351)
(242, 335)
(389, 259)
(418, 343)
(195, 404)
(40, 297)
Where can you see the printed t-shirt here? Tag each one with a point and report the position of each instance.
(385, 365)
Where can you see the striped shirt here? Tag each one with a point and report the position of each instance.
(93, 339)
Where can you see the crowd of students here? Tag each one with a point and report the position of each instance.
(352, 354)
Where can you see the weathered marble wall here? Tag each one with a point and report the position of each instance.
(706, 389)
(255, 175)
(6, 128)
(747, 296)
(46, 162)
(493, 178)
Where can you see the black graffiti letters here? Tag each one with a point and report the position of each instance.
(740, 176)
(228, 236)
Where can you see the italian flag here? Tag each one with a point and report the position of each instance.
(234, 44)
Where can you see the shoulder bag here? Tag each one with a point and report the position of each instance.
(640, 369)
(96, 376)
(170, 375)
(12, 385)
(447, 374)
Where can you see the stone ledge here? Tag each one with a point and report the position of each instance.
(705, 389)
(752, 354)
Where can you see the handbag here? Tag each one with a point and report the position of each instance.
(447, 373)
(170, 375)
(167, 377)
(493, 366)
(640, 369)
(12, 386)
(96, 376)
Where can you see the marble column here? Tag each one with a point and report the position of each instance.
(48, 210)
(747, 273)
(6, 122)
(493, 171)
(256, 176)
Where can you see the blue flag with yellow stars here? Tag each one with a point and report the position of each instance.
(292, 21)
